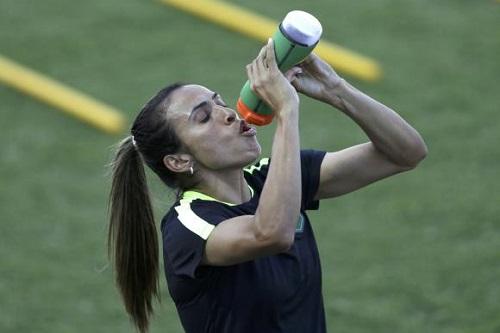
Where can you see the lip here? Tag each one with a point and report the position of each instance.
(251, 132)
(246, 129)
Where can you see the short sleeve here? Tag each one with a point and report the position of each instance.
(310, 166)
(310, 161)
(185, 232)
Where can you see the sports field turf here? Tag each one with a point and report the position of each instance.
(416, 253)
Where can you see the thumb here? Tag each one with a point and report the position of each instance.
(292, 73)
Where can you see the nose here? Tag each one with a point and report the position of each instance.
(229, 117)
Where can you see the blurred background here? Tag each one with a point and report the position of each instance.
(419, 252)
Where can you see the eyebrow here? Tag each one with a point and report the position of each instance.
(202, 104)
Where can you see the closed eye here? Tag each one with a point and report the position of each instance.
(203, 115)
(205, 119)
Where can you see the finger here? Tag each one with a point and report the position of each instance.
(270, 56)
(313, 56)
(308, 60)
(256, 76)
(292, 73)
(262, 55)
(251, 76)
(297, 83)
(259, 73)
(260, 61)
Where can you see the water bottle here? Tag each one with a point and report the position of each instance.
(296, 37)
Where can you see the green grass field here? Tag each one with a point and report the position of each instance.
(416, 253)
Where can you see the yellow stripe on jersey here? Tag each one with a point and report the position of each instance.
(192, 221)
(262, 162)
(194, 195)
(195, 223)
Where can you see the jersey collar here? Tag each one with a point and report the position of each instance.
(194, 195)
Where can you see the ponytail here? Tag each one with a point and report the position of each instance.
(132, 238)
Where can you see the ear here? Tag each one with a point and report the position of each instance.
(179, 163)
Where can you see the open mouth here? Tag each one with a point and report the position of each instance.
(246, 130)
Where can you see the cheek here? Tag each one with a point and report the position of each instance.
(209, 148)
(218, 151)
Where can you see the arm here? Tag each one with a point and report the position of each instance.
(271, 230)
(394, 145)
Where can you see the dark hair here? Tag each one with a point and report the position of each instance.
(155, 137)
(132, 238)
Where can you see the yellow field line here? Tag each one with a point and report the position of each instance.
(261, 28)
(56, 94)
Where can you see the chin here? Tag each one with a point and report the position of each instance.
(256, 152)
(250, 156)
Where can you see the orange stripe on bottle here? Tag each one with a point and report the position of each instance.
(250, 116)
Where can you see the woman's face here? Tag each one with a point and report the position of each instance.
(212, 132)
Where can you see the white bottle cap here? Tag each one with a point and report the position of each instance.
(302, 27)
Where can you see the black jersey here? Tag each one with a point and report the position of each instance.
(277, 293)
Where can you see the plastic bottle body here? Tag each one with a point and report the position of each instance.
(288, 53)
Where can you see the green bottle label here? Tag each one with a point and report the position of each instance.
(287, 54)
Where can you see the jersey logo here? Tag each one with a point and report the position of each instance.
(299, 228)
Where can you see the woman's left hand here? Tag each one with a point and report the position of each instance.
(316, 79)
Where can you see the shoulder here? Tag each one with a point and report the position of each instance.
(192, 217)
(185, 229)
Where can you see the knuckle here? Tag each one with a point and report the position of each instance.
(273, 74)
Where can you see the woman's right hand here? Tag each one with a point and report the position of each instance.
(267, 81)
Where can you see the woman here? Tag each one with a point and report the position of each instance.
(238, 249)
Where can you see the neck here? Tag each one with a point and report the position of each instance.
(226, 185)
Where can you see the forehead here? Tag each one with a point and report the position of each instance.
(182, 100)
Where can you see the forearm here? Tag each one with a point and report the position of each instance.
(389, 133)
(279, 205)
